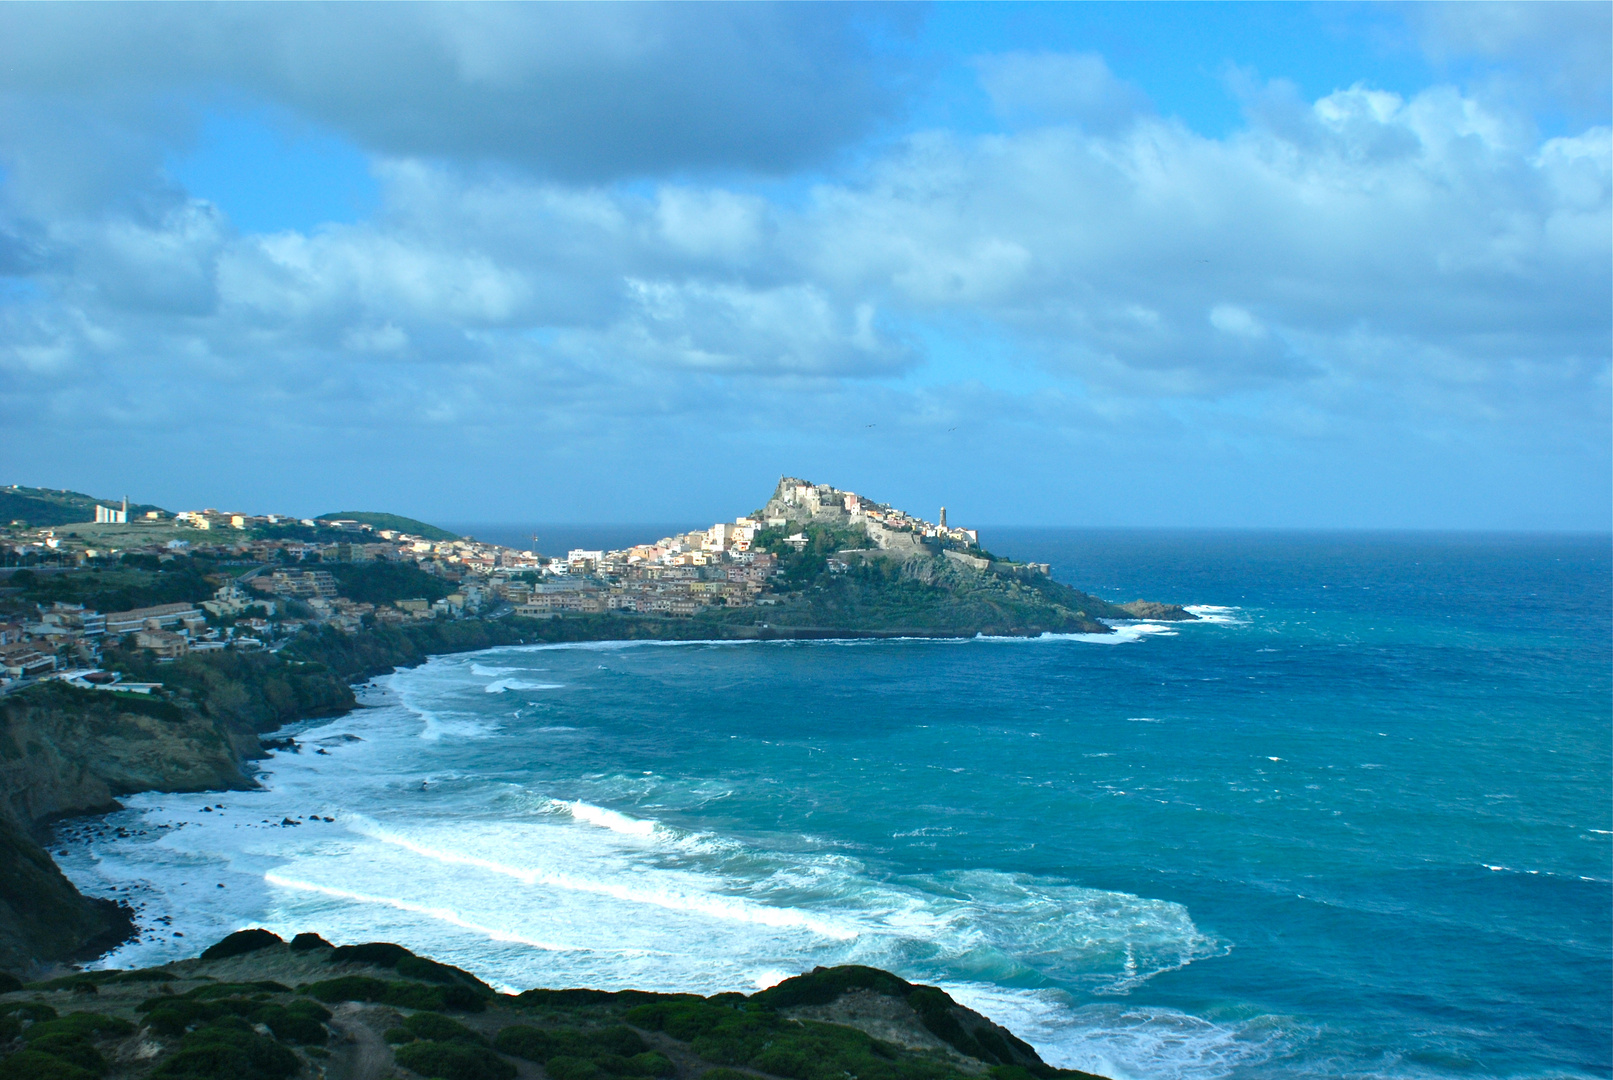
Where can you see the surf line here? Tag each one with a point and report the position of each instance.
(441, 914)
(718, 908)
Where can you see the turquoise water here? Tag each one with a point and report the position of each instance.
(1356, 823)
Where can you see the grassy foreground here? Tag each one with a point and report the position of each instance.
(254, 1007)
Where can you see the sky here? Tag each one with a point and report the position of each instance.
(1187, 265)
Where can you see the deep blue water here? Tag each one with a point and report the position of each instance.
(1359, 823)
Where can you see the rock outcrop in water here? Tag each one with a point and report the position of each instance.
(254, 1007)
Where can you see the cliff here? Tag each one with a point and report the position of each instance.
(66, 751)
(374, 1009)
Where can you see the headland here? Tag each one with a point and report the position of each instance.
(255, 1007)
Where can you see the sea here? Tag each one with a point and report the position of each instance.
(1355, 821)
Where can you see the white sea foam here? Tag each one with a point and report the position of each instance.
(608, 819)
(703, 904)
(1128, 1042)
(442, 914)
(498, 686)
(1123, 633)
(1212, 613)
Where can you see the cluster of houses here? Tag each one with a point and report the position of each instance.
(284, 588)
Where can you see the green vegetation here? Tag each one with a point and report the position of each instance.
(927, 595)
(240, 943)
(42, 507)
(135, 581)
(799, 568)
(454, 1061)
(385, 582)
(760, 1039)
(398, 993)
(395, 522)
(202, 1024)
(245, 692)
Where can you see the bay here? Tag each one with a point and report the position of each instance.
(1356, 822)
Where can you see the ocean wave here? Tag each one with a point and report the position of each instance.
(440, 914)
(498, 686)
(608, 819)
(705, 904)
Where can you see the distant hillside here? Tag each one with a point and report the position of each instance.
(392, 521)
(41, 507)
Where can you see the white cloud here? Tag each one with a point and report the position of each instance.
(1365, 266)
(1059, 87)
(1231, 319)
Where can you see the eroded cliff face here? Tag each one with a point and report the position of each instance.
(43, 918)
(65, 751)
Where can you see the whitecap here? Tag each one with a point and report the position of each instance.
(608, 819)
(498, 686)
(1216, 614)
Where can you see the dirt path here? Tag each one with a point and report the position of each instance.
(358, 1052)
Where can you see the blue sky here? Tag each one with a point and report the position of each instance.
(1108, 264)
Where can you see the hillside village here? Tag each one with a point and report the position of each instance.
(270, 576)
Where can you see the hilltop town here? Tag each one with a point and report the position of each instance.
(255, 581)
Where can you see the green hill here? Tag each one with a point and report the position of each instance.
(392, 521)
(42, 507)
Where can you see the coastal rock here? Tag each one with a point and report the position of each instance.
(1148, 609)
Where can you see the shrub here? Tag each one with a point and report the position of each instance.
(380, 953)
(240, 943)
(27, 1010)
(398, 1036)
(173, 1015)
(454, 1061)
(418, 967)
(221, 990)
(72, 1048)
(348, 988)
(439, 1028)
(146, 975)
(304, 942)
(403, 995)
(85, 1025)
(651, 1063)
(571, 1068)
(228, 1050)
(299, 1022)
(531, 1043)
(9, 983)
(824, 985)
(33, 1065)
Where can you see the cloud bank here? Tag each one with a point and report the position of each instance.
(598, 259)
